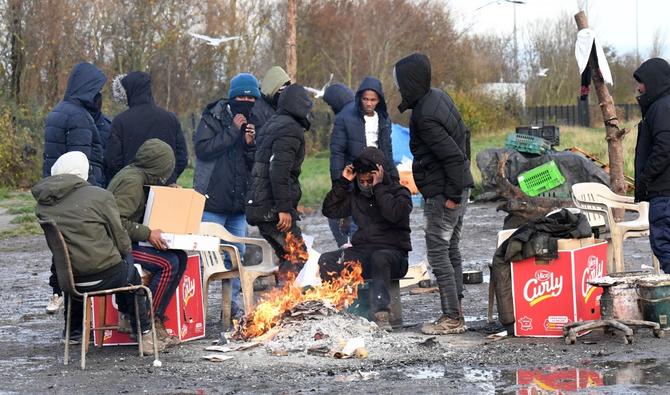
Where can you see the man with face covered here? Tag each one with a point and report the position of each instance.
(224, 147)
(652, 162)
(381, 208)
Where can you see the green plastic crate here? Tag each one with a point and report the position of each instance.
(527, 143)
(540, 179)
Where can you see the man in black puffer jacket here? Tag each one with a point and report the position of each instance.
(440, 143)
(381, 208)
(142, 121)
(70, 126)
(274, 189)
(652, 162)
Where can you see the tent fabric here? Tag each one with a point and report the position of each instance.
(400, 141)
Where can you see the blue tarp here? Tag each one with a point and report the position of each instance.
(400, 139)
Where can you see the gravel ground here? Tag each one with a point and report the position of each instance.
(404, 361)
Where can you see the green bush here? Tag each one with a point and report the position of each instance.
(484, 114)
(19, 164)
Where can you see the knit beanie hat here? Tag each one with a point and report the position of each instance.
(73, 162)
(274, 79)
(244, 84)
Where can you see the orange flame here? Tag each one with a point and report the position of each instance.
(339, 293)
(295, 249)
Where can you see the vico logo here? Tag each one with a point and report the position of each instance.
(188, 290)
(594, 269)
(543, 286)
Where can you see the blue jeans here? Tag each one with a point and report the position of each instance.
(443, 235)
(659, 230)
(237, 225)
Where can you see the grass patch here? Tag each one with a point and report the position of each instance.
(185, 180)
(4, 193)
(21, 210)
(23, 230)
(315, 179)
(23, 219)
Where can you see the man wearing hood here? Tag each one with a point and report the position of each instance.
(273, 84)
(381, 208)
(652, 162)
(274, 188)
(143, 120)
(70, 126)
(224, 147)
(153, 165)
(99, 247)
(337, 96)
(440, 143)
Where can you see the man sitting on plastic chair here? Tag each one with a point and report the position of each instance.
(381, 208)
(99, 247)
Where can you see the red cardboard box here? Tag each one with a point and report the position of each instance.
(550, 294)
(184, 313)
(556, 381)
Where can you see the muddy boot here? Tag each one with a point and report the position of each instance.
(148, 344)
(444, 326)
(54, 304)
(163, 335)
(381, 318)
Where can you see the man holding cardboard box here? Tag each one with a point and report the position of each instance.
(153, 165)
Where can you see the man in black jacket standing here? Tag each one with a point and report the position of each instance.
(381, 208)
(440, 143)
(274, 188)
(652, 162)
(143, 120)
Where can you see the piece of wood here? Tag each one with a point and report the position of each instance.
(292, 42)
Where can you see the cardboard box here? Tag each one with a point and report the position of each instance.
(174, 210)
(184, 313)
(407, 179)
(188, 242)
(550, 294)
(556, 381)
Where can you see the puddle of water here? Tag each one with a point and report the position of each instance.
(549, 379)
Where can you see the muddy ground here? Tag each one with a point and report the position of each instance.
(31, 356)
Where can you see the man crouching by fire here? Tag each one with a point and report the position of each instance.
(380, 207)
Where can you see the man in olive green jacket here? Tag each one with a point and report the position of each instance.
(153, 165)
(99, 248)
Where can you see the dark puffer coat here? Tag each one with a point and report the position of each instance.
(383, 218)
(70, 126)
(274, 186)
(337, 96)
(143, 120)
(652, 162)
(348, 139)
(439, 140)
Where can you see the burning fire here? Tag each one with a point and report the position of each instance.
(339, 293)
(296, 251)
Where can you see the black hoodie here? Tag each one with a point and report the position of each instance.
(652, 162)
(439, 140)
(337, 96)
(348, 138)
(383, 218)
(143, 120)
(274, 186)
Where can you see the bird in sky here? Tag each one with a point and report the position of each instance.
(214, 41)
(319, 93)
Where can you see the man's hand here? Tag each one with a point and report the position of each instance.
(450, 204)
(156, 240)
(378, 175)
(250, 134)
(238, 120)
(285, 221)
(349, 173)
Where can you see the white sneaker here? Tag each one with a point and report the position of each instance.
(55, 303)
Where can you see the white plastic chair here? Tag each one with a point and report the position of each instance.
(214, 268)
(598, 202)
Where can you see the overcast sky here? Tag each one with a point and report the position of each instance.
(613, 20)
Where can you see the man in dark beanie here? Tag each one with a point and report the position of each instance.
(224, 147)
(652, 162)
(440, 143)
(381, 208)
(143, 120)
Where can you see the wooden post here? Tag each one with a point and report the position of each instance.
(291, 44)
(613, 134)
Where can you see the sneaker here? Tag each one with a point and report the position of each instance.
(55, 303)
(381, 318)
(148, 344)
(124, 324)
(74, 340)
(164, 336)
(444, 326)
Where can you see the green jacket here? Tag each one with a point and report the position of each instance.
(153, 165)
(87, 217)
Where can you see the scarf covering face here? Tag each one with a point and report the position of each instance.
(241, 107)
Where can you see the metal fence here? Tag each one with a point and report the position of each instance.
(581, 114)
